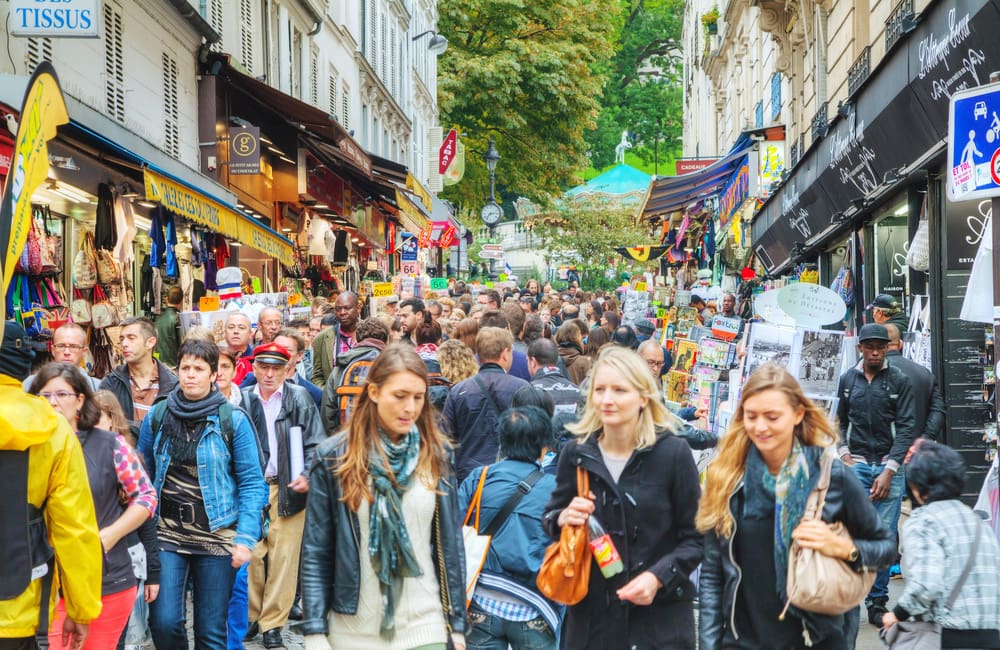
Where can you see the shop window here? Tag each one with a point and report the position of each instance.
(891, 241)
(114, 62)
(334, 80)
(247, 35)
(39, 49)
(171, 119)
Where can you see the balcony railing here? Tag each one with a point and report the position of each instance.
(900, 22)
(859, 71)
(820, 122)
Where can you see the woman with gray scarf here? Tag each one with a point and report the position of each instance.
(382, 557)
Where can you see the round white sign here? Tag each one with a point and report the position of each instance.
(811, 305)
(766, 306)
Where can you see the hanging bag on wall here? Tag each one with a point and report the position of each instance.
(103, 313)
(918, 257)
(80, 308)
(109, 271)
(85, 263)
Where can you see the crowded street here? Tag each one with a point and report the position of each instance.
(489, 325)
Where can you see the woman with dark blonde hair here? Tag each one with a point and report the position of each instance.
(382, 557)
(457, 361)
(644, 485)
(751, 511)
(466, 331)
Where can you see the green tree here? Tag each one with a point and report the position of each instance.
(585, 232)
(529, 74)
(643, 91)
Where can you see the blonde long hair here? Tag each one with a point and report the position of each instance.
(726, 471)
(353, 469)
(653, 418)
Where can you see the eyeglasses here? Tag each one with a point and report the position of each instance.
(61, 395)
(69, 346)
(656, 365)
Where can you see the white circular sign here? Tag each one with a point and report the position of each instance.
(766, 306)
(811, 305)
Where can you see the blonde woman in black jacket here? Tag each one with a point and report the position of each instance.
(645, 487)
(751, 511)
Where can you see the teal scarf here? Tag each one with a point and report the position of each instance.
(389, 544)
(789, 491)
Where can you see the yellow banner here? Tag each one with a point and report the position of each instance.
(213, 215)
(43, 110)
(419, 220)
(414, 186)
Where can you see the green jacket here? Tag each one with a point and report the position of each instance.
(168, 336)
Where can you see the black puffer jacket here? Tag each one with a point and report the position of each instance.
(846, 501)
(331, 560)
(649, 513)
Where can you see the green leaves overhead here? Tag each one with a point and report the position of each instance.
(530, 74)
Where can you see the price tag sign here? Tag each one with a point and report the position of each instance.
(439, 284)
(408, 268)
(382, 289)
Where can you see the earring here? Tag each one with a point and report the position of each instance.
(375, 402)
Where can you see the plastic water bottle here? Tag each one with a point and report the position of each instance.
(603, 548)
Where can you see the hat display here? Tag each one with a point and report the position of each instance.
(873, 332)
(16, 354)
(271, 354)
(884, 301)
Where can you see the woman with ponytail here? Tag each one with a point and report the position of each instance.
(751, 510)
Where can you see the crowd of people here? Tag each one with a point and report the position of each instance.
(321, 472)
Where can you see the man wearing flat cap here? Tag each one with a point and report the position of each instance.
(877, 417)
(288, 428)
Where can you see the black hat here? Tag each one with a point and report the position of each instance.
(16, 354)
(873, 332)
(884, 301)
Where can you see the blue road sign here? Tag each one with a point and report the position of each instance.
(974, 143)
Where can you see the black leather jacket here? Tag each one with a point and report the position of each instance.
(846, 501)
(331, 569)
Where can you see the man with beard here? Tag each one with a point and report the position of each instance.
(411, 314)
(142, 380)
(335, 341)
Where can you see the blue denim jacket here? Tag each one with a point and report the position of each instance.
(228, 498)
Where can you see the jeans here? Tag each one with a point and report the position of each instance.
(488, 632)
(212, 579)
(888, 509)
(239, 622)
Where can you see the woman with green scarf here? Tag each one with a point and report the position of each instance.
(751, 511)
(382, 553)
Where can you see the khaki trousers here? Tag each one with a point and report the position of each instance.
(272, 587)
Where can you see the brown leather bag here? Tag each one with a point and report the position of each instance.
(565, 571)
(819, 583)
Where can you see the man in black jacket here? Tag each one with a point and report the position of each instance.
(543, 363)
(142, 380)
(288, 428)
(877, 417)
(927, 397)
(473, 407)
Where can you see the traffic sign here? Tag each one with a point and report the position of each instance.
(492, 251)
(974, 143)
(446, 154)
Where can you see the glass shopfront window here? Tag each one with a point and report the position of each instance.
(887, 245)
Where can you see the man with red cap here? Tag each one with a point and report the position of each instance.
(289, 428)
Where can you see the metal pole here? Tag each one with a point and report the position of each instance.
(493, 275)
(995, 210)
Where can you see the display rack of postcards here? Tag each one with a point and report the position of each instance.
(699, 375)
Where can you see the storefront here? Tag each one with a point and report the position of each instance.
(877, 171)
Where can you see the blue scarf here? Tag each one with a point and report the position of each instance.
(389, 544)
(788, 491)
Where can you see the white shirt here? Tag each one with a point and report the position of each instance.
(271, 409)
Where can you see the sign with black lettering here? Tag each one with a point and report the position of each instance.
(965, 224)
(244, 150)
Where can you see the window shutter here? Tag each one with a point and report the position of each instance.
(215, 20)
(114, 62)
(345, 98)
(171, 120)
(39, 49)
(435, 135)
(314, 77)
(247, 35)
(383, 52)
(334, 97)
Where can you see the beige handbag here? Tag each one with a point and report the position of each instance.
(819, 583)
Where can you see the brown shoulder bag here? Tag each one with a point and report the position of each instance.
(565, 571)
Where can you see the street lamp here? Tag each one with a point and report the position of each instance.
(491, 212)
(437, 45)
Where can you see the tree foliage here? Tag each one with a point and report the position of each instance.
(643, 91)
(530, 74)
(585, 231)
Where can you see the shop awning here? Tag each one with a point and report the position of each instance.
(672, 193)
(202, 200)
(413, 216)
